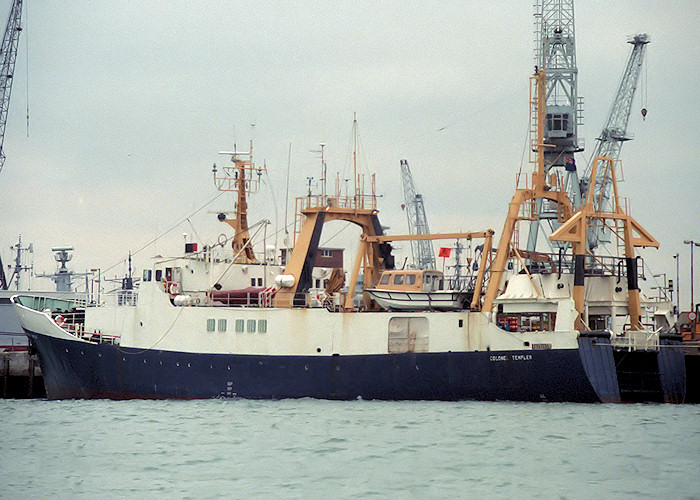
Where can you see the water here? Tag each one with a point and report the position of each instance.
(359, 449)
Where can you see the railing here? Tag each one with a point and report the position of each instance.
(240, 299)
(596, 265)
(73, 323)
(637, 340)
(117, 298)
(267, 296)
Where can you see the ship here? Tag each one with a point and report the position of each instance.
(532, 326)
(19, 367)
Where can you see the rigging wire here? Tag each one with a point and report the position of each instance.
(328, 240)
(152, 241)
(195, 231)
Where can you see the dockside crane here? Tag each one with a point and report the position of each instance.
(555, 53)
(8, 53)
(422, 250)
(614, 134)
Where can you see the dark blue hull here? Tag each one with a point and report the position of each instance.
(81, 370)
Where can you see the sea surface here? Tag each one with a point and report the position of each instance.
(358, 449)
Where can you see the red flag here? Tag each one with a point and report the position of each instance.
(444, 252)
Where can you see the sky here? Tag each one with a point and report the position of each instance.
(130, 101)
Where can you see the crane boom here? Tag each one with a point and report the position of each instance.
(422, 250)
(8, 52)
(614, 134)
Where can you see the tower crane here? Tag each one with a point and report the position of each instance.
(8, 53)
(422, 251)
(614, 134)
(555, 53)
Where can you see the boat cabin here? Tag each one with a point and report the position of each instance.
(411, 280)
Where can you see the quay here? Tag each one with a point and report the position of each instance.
(20, 375)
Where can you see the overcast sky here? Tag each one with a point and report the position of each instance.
(130, 101)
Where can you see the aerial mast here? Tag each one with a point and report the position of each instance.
(243, 178)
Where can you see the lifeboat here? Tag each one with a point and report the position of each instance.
(416, 290)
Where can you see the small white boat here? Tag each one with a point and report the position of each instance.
(416, 290)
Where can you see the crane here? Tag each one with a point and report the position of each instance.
(8, 53)
(614, 134)
(422, 250)
(555, 52)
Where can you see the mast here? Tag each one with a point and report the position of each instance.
(243, 177)
(354, 157)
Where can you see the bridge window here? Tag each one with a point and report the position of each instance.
(398, 279)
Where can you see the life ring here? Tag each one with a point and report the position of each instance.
(60, 320)
(174, 289)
